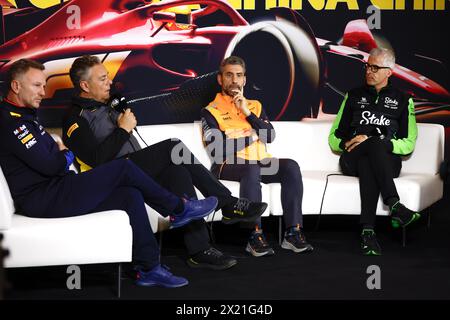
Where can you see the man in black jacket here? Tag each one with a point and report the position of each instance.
(376, 125)
(97, 134)
(42, 185)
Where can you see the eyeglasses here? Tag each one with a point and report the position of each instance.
(373, 67)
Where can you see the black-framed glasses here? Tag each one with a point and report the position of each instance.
(373, 67)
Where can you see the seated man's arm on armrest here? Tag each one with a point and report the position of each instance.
(78, 136)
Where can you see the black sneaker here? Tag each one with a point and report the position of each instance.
(243, 210)
(295, 240)
(211, 259)
(257, 245)
(369, 243)
(402, 216)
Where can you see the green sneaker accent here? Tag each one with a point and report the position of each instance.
(372, 253)
(395, 224)
(369, 243)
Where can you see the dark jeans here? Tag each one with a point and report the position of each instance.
(159, 161)
(288, 174)
(376, 168)
(116, 185)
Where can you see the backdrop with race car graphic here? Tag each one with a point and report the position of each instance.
(302, 55)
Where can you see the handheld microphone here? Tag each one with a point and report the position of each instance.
(119, 103)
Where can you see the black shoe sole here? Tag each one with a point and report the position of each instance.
(196, 265)
(227, 220)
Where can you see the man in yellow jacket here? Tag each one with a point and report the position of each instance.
(236, 131)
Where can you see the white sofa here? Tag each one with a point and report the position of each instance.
(102, 237)
(306, 141)
(85, 239)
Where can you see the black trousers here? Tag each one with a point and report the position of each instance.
(288, 174)
(376, 168)
(173, 165)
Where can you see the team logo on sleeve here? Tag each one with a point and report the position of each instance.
(20, 130)
(72, 129)
(27, 138)
(16, 115)
(23, 134)
(30, 143)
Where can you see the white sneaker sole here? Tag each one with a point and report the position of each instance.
(290, 246)
(250, 250)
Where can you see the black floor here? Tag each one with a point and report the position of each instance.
(335, 270)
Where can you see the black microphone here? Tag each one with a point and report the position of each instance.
(118, 102)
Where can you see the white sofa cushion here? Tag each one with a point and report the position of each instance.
(101, 237)
(429, 151)
(416, 191)
(307, 142)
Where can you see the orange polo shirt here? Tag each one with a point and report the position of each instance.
(234, 124)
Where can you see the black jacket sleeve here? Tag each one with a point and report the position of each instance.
(211, 130)
(263, 127)
(84, 145)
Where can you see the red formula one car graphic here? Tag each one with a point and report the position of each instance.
(163, 55)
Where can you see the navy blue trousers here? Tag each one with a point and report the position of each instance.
(119, 184)
(288, 175)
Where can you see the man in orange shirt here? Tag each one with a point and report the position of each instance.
(236, 131)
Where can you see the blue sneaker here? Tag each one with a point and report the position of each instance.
(194, 210)
(159, 276)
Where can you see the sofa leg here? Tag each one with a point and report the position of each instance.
(280, 229)
(211, 232)
(403, 237)
(119, 280)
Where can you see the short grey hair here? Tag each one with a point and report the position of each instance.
(80, 69)
(232, 60)
(388, 56)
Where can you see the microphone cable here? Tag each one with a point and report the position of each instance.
(316, 228)
(142, 139)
